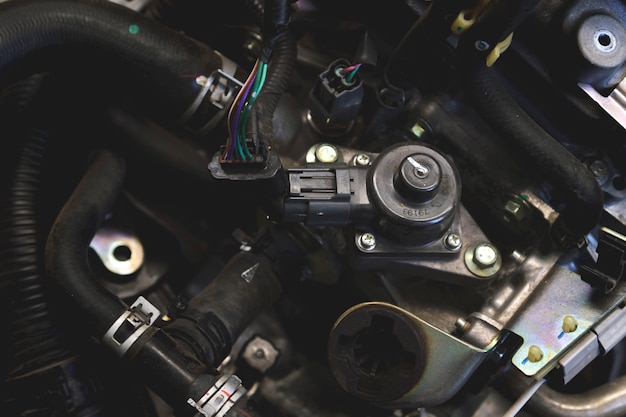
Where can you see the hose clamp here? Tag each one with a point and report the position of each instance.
(220, 398)
(135, 321)
(221, 87)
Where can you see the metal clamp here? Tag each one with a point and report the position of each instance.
(220, 398)
(221, 86)
(141, 315)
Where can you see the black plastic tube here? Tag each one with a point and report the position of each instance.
(145, 139)
(35, 338)
(278, 74)
(280, 67)
(107, 42)
(68, 242)
(572, 179)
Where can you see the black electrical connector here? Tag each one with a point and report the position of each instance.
(609, 268)
(335, 100)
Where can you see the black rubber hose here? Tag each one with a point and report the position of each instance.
(214, 318)
(145, 139)
(580, 190)
(72, 231)
(165, 365)
(107, 42)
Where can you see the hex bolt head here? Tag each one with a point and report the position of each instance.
(418, 130)
(535, 354)
(453, 241)
(362, 160)
(326, 153)
(570, 324)
(514, 211)
(367, 241)
(485, 255)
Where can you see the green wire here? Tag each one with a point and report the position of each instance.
(256, 89)
(351, 76)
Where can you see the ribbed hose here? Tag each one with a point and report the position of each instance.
(74, 228)
(107, 41)
(278, 74)
(36, 342)
(571, 178)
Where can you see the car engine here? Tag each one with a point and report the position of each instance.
(313, 208)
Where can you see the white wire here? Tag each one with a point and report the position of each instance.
(523, 399)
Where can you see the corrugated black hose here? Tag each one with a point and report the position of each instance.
(572, 179)
(35, 339)
(104, 43)
(282, 43)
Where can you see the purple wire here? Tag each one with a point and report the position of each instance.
(235, 128)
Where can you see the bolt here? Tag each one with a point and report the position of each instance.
(599, 170)
(259, 353)
(485, 256)
(326, 153)
(453, 241)
(418, 130)
(462, 325)
(514, 211)
(569, 324)
(362, 159)
(367, 241)
(518, 257)
(535, 354)
(201, 80)
(249, 44)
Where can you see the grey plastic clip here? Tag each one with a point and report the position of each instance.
(141, 315)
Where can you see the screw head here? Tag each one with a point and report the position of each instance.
(485, 255)
(326, 153)
(367, 241)
(362, 159)
(600, 171)
(453, 241)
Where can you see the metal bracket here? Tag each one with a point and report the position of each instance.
(614, 104)
(601, 338)
(220, 398)
(141, 315)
